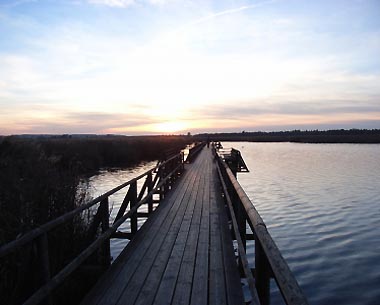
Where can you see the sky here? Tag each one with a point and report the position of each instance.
(166, 66)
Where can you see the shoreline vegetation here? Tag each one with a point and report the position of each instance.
(39, 179)
(354, 135)
(33, 168)
(360, 136)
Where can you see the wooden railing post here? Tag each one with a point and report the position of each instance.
(104, 216)
(262, 274)
(162, 188)
(44, 262)
(239, 212)
(241, 219)
(150, 188)
(133, 203)
(182, 161)
(169, 182)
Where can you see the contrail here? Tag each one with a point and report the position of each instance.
(227, 12)
(211, 16)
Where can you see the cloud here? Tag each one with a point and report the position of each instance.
(113, 3)
(270, 115)
(49, 119)
(245, 110)
(128, 3)
(203, 67)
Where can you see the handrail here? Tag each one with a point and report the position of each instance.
(165, 175)
(40, 294)
(242, 254)
(193, 151)
(265, 246)
(33, 234)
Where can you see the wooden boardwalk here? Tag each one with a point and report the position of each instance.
(183, 253)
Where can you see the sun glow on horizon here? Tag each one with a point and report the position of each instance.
(170, 127)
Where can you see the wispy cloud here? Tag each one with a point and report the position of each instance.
(230, 11)
(113, 3)
(128, 3)
(250, 112)
(43, 118)
(201, 66)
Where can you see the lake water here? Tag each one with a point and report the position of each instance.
(321, 204)
(107, 180)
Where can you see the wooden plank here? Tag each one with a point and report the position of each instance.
(182, 254)
(185, 278)
(144, 252)
(217, 293)
(165, 269)
(199, 294)
(141, 240)
(150, 272)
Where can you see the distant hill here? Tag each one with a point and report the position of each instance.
(301, 136)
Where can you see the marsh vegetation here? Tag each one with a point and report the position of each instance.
(38, 182)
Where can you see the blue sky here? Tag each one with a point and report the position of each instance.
(163, 66)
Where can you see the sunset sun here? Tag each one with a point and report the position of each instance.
(170, 127)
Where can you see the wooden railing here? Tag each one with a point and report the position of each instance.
(233, 159)
(158, 181)
(269, 262)
(194, 151)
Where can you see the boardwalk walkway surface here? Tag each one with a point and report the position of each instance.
(183, 253)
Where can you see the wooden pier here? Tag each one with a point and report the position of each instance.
(190, 250)
(183, 254)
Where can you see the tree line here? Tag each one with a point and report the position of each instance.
(300, 136)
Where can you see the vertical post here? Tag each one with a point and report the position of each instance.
(182, 161)
(233, 164)
(44, 262)
(262, 274)
(162, 176)
(170, 181)
(133, 203)
(150, 188)
(105, 226)
(239, 212)
(241, 220)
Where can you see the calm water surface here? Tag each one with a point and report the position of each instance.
(107, 180)
(321, 204)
